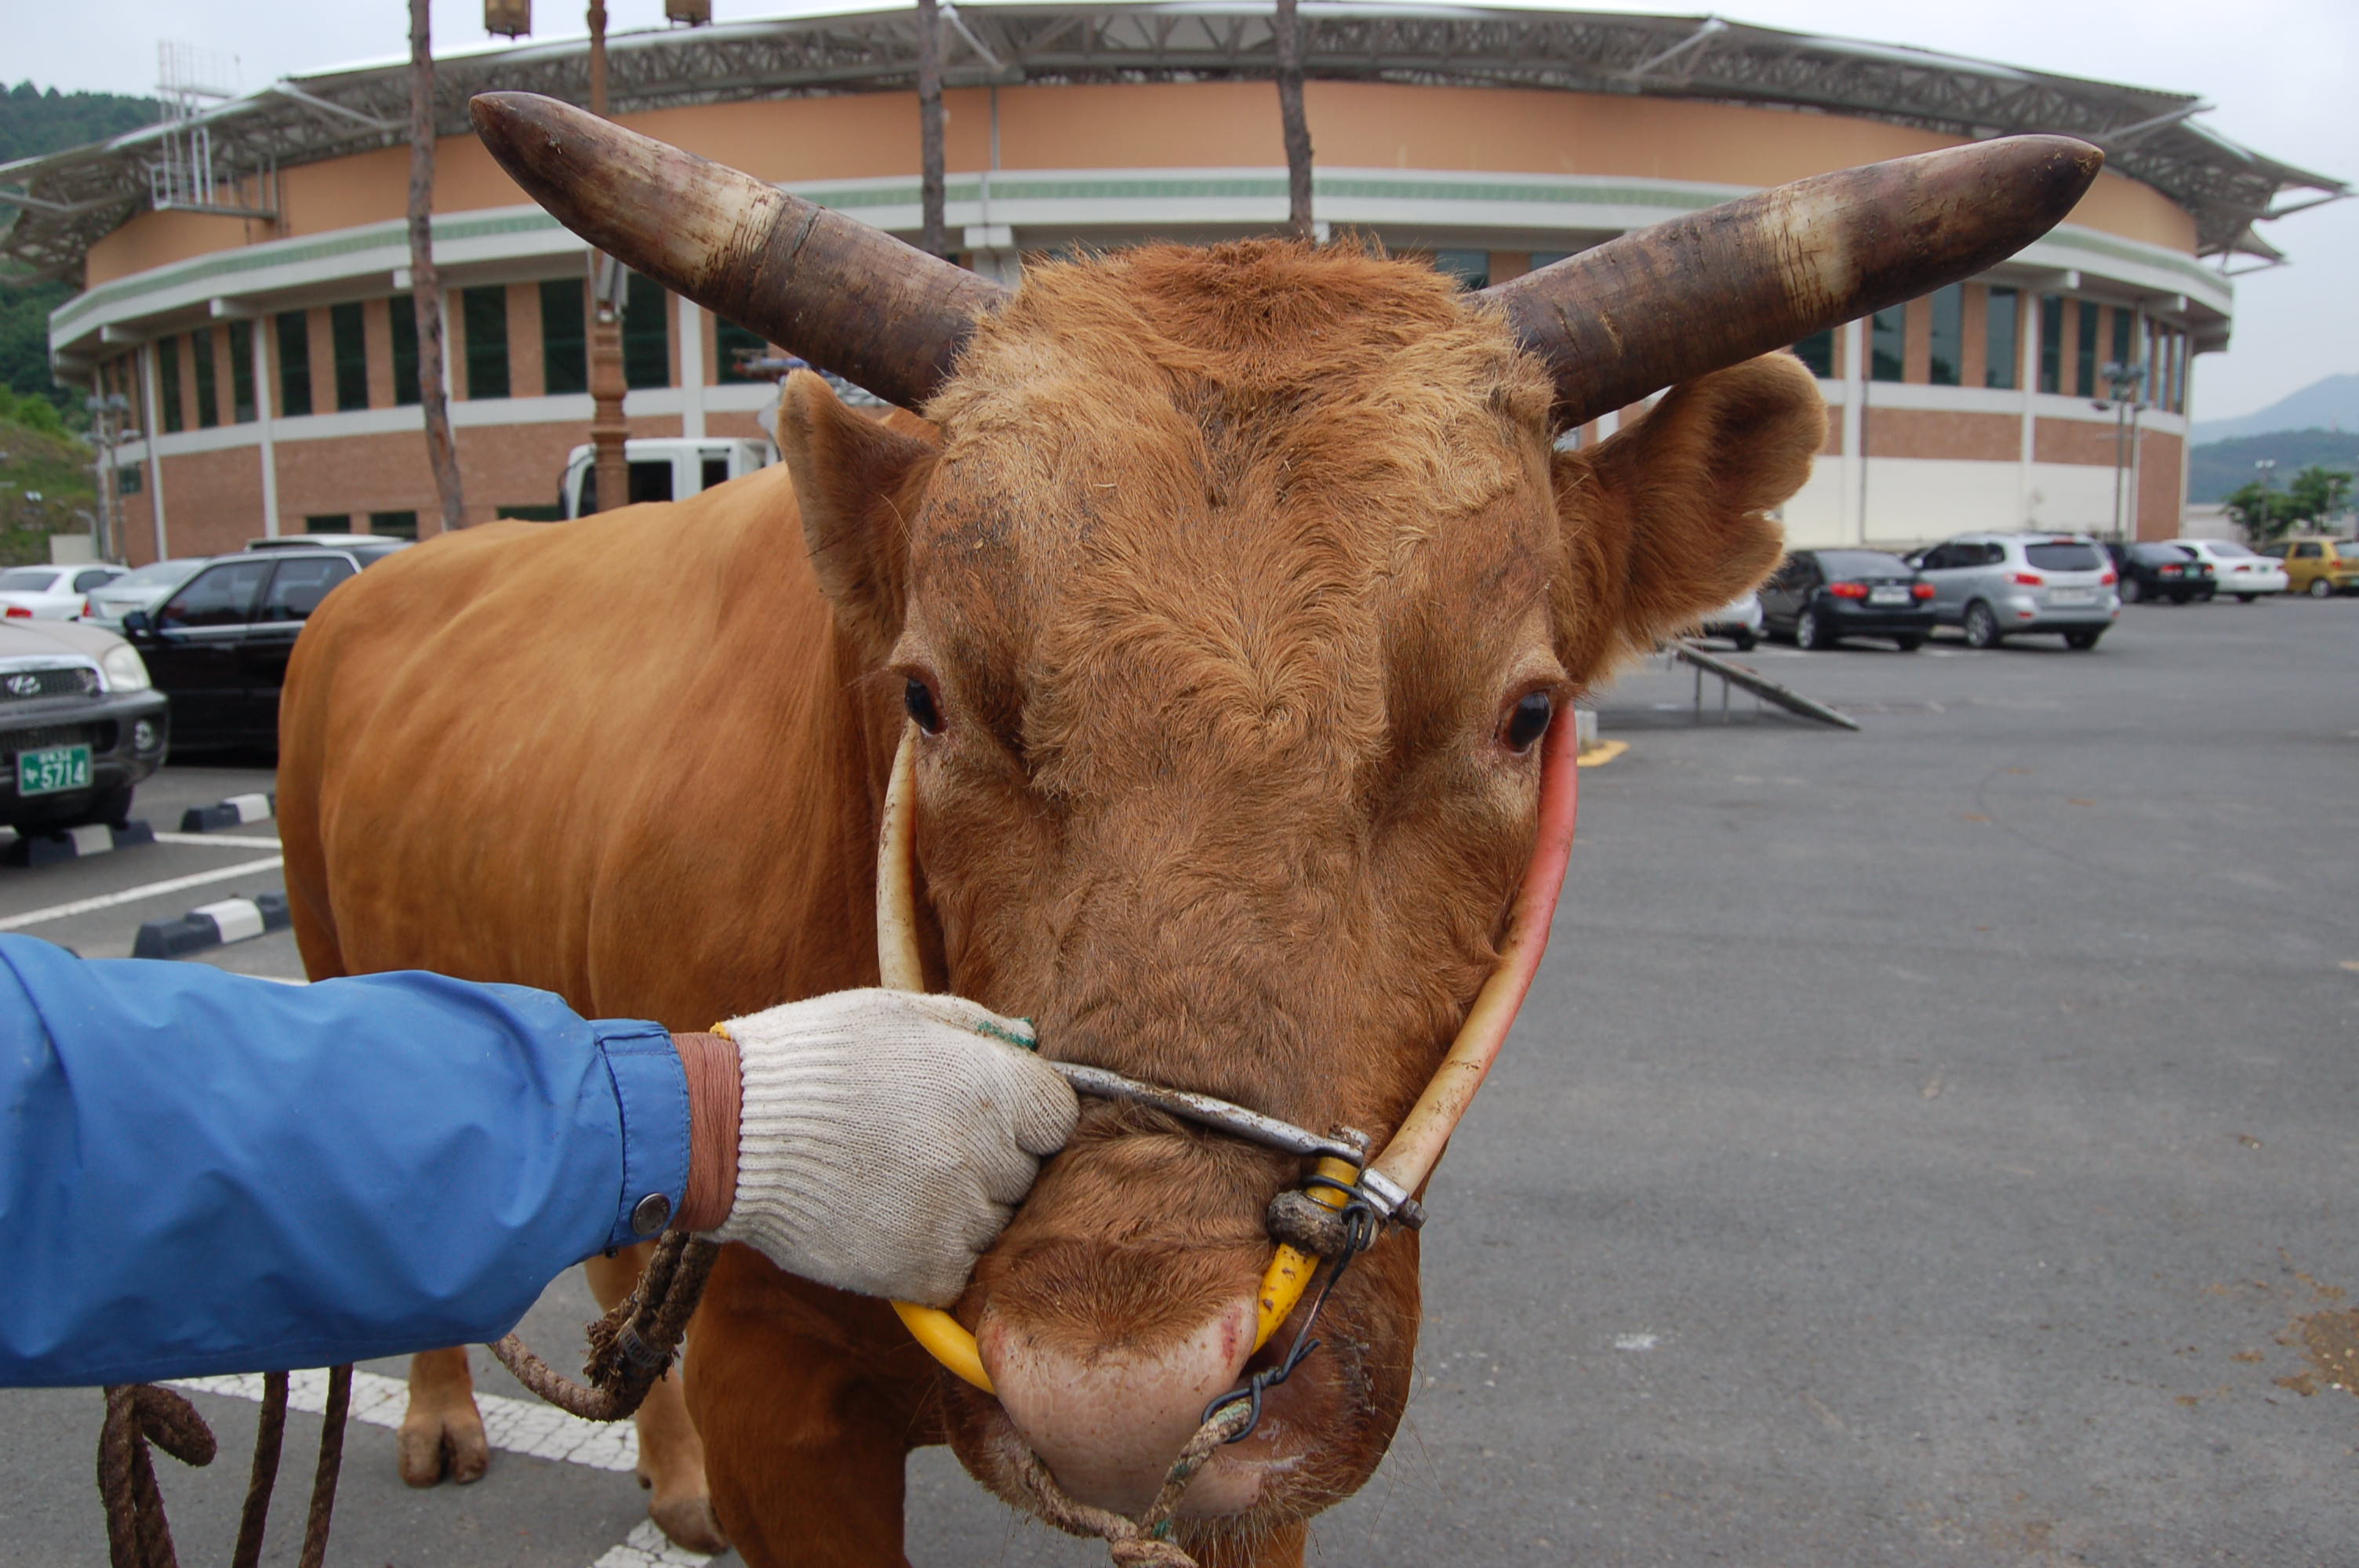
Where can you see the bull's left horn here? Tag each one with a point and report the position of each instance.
(844, 295)
(1696, 293)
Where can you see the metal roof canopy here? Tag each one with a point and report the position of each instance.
(65, 202)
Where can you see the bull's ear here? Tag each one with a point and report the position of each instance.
(857, 483)
(1666, 521)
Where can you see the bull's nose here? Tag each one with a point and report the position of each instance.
(1109, 1421)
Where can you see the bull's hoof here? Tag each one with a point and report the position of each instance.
(690, 1523)
(436, 1443)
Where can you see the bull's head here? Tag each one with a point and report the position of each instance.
(1232, 589)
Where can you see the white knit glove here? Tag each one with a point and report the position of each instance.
(885, 1137)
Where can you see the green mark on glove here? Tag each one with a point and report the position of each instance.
(1029, 1041)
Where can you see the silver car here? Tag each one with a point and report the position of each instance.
(142, 588)
(1995, 586)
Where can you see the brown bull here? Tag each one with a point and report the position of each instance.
(1224, 585)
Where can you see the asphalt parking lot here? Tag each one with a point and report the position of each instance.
(1933, 1145)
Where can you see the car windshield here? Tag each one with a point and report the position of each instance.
(2066, 556)
(28, 579)
(1861, 563)
(159, 574)
(2226, 548)
(2161, 554)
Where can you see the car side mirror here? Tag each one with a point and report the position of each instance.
(135, 623)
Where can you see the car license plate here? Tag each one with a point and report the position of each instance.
(1887, 596)
(52, 769)
(2072, 596)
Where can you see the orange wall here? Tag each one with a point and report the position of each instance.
(1152, 125)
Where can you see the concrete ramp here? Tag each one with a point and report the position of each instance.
(1746, 677)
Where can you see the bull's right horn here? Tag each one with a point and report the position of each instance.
(844, 295)
(1697, 294)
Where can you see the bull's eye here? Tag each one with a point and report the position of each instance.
(1528, 720)
(918, 698)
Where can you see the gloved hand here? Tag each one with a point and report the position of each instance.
(885, 1137)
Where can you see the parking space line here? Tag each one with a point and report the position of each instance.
(514, 1426)
(144, 891)
(227, 840)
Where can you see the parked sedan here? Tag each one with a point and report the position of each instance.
(219, 645)
(1739, 621)
(2161, 571)
(2245, 573)
(50, 594)
(1820, 596)
(142, 588)
(79, 726)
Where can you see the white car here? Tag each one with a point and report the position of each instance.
(50, 594)
(2238, 569)
(1740, 622)
(142, 588)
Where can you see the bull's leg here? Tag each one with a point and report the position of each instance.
(672, 1456)
(811, 1401)
(443, 1432)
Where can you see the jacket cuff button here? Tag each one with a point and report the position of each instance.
(650, 1214)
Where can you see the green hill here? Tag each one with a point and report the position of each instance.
(34, 121)
(2218, 467)
(45, 483)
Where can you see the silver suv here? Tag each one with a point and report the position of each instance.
(1994, 586)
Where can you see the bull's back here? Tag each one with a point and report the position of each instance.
(589, 757)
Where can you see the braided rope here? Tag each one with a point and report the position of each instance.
(631, 1346)
(1143, 1541)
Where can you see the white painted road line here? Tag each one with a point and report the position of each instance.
(144, 891)
(647, 1547)
(514, 1426)
(222, 840)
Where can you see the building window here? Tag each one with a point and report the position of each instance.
(130, 478)
(730, 341)
(1470, 268)
(1885, 344)
(2125, 333)
(564, 337)
(394, 525)
(294, 364)
(200, 355)
(1818, 351)
(168, 381)
(241, 371)
(2084, 362)
(404, 311)
(647, 333)
(2052, 342)
(1947, 367)
(328, 523)
(348, 336)
(1999, 338)
(486, 314)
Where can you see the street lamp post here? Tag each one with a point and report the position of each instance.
(107, 412)
(2125, 380)
(607, 282)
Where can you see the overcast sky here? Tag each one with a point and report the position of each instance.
(2279, 72)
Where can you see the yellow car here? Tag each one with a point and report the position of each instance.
(2318, 565)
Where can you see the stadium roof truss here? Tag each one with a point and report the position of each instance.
(64, 202)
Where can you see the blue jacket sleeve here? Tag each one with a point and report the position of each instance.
(202, 1172)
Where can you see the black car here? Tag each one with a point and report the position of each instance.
(1820, 596)
(79, 726)
(2161, 571)
(218, 647)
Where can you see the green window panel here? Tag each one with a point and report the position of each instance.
(2001, 337)
(201, 356)
(1947, 366)
(486, 314)
(404, 311)
(241, 371)
(1888, 345)
(348, 336)
(647, 333)
(294, 364)
(167, 382)
(564, 337)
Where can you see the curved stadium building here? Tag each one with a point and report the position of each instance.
(245, 272)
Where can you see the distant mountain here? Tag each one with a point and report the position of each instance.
(2218, 467)
(2328, 405)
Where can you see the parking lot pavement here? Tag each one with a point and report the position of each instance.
(1932, 1145)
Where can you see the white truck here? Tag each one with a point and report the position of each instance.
(667, 468)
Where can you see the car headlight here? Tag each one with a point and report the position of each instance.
(124, 669)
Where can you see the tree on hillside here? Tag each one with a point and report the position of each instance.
(2316, 494)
